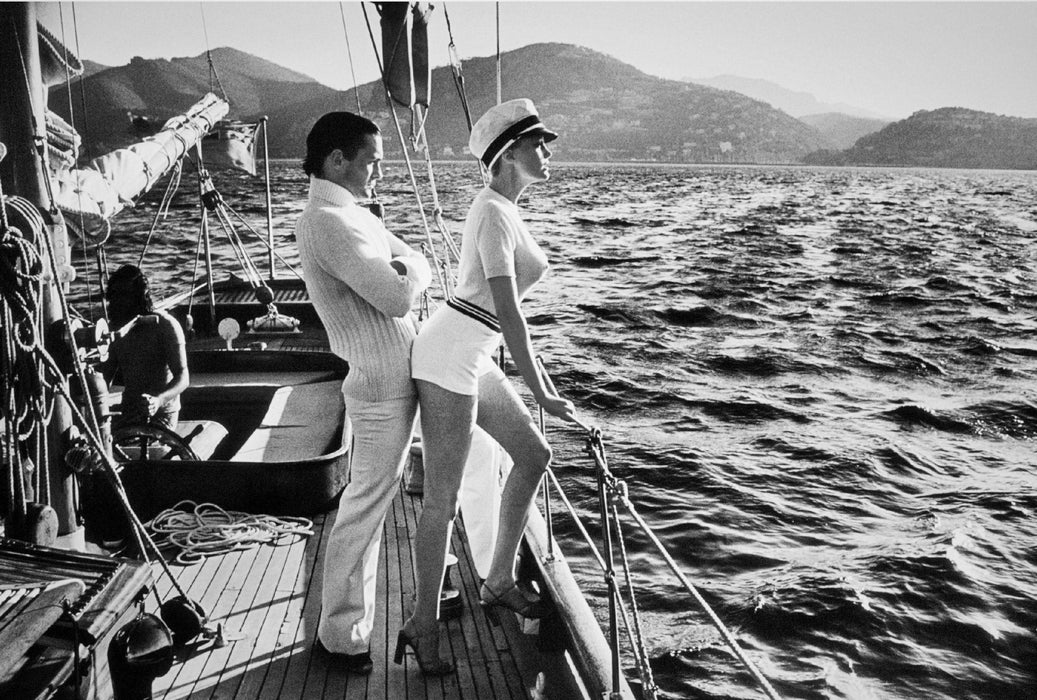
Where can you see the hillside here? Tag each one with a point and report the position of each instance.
(604, 109)
(160, 89)
(842, 130)
(794, 102)
(951, 137)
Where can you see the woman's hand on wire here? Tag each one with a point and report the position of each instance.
(559, 407)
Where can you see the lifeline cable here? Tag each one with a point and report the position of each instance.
(618, 492)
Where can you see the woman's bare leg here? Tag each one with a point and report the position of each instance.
(447, 423)
(502, 414)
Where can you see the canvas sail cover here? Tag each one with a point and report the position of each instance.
(408, 73)
(90, 196)
(232, 144)
(57, 63)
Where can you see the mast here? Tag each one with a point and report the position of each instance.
(22, 109)
(269, 202)
(498, 54)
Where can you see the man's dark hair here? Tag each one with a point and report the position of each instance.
(342, 130)
(129, 283)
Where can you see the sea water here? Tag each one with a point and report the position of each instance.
(817, 384)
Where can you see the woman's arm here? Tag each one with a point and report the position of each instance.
(516, 336)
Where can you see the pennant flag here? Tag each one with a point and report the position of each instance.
(231, 144)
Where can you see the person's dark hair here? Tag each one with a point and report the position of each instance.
(342, 130)
(129, 283)
(498, 165)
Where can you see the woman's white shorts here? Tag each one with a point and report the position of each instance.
(453, 350)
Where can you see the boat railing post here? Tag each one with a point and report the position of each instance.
(269, 200)
(546, 489)
(544, 481)
(610, 571)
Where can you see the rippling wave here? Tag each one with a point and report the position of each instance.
(819, 386)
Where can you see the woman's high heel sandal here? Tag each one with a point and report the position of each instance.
(428, 660)
(513, 599)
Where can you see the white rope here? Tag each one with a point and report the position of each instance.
(202, 530)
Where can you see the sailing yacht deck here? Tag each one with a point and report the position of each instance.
(267, 600)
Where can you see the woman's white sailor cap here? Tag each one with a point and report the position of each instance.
(504, 124)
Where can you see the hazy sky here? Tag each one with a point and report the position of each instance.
(891, 58)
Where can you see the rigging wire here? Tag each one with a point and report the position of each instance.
(619, 492)
(262, 240)
(72, 122)
(172, 186)
(208, 57)
(194, 274)
(220, 208)
(498, 54)
(349, 55)
(455, 70)
(406, 156)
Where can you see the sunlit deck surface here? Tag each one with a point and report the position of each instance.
(268, 600)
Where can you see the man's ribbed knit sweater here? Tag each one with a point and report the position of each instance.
(364, 303)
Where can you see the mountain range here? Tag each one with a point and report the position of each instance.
(952, 137)
(795, 102)
(604, 110)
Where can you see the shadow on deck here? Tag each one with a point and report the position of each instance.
(267, 600)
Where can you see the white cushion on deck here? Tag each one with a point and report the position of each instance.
(299, 424)
(206, 436)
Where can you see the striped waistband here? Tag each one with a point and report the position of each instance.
(475, 312)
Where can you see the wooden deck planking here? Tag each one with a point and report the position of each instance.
(287, 676)
(258, 644)
(191, 675)
(478, 634)
(241, 626)
(268, 600)
(392, 685)
(183, 676)
(267, 652)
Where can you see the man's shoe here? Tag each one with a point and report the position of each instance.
(356, 664)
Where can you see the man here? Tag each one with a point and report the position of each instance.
(363, 282)
(151, 357)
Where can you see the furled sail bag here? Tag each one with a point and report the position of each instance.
(408, 74)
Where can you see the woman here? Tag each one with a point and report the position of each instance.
(459, 386)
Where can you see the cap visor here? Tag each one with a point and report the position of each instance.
(541, 130)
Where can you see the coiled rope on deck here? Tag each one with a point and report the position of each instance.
(201, 530)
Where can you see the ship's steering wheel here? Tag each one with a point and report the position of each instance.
(134, 443)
